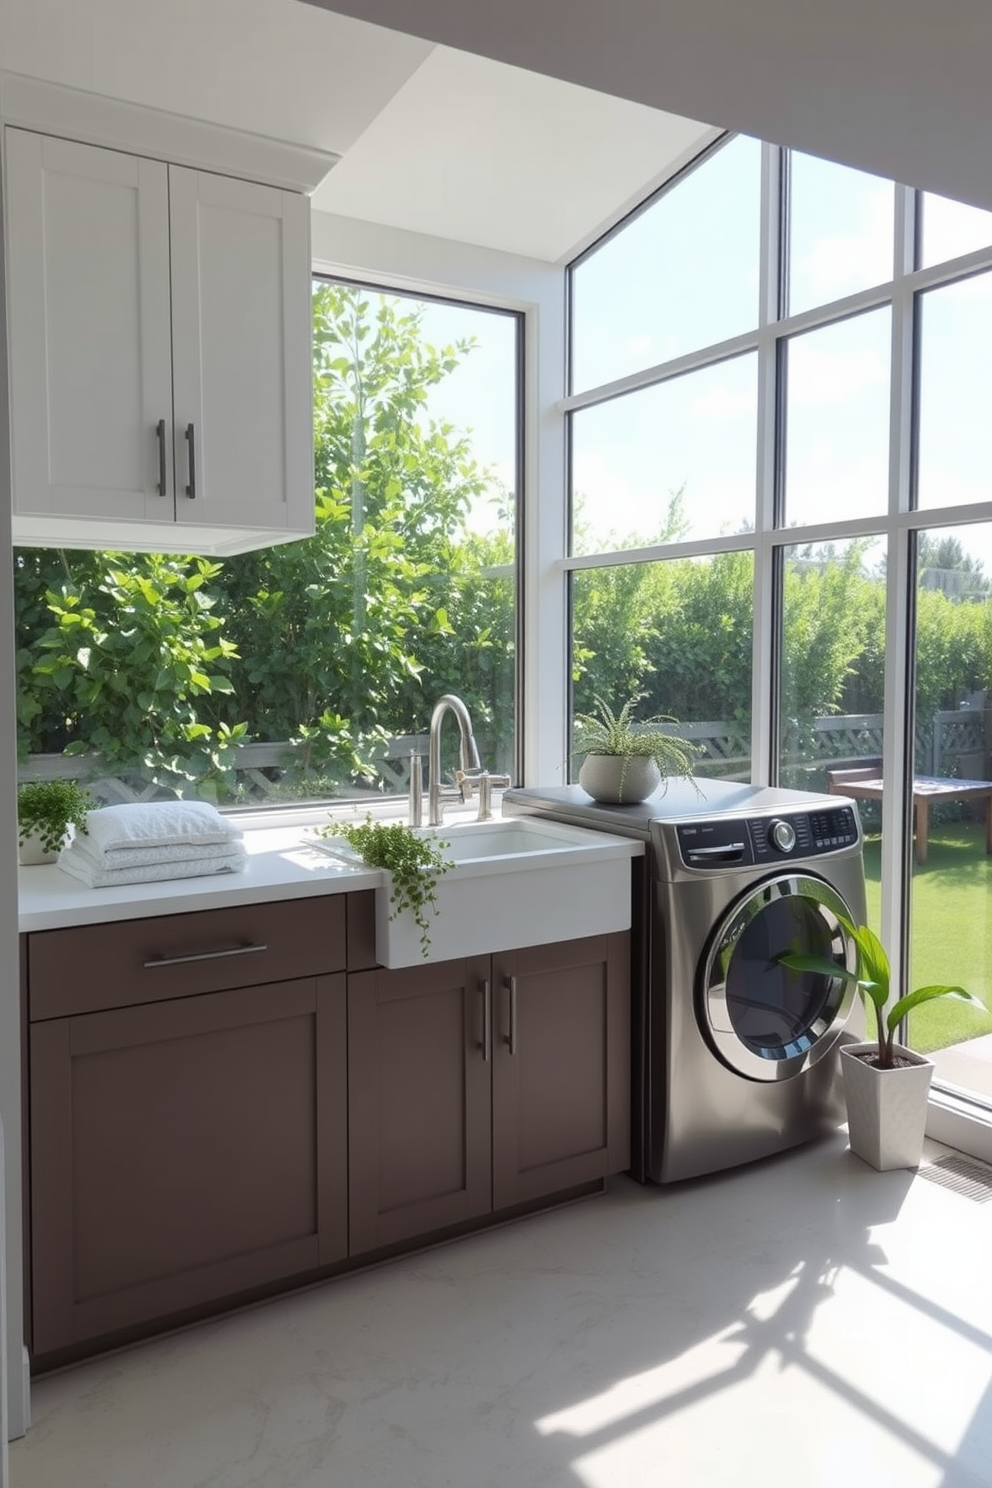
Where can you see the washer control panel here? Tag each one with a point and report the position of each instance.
(722, 842)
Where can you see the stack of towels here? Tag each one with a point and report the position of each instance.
(153, 840)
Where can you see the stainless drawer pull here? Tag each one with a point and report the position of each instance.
(510, 983)
(487, 1019)
(237, 950)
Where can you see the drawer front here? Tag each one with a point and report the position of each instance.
(128, 962)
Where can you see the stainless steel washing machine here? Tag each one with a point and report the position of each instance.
(734, 1057)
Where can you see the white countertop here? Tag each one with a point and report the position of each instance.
(281, 865)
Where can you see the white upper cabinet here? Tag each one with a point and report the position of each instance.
(159, 353)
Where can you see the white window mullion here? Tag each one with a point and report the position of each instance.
(764, 684)
(898, 743)
(546, 646)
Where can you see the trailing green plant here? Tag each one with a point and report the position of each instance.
(617, 734)
(47, 807)
(873, 976)
(416, 863)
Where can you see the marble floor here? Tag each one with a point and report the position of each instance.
(802, 1323)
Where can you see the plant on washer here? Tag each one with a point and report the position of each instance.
(641, 755)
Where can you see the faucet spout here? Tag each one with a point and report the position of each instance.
(467, 750)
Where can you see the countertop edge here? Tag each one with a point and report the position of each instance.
(59, 904)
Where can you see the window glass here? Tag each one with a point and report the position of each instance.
(682, 274)
(951, 890)
(675, 460)
(840, 231)
(954, 463)
(837, 420)
(950, 228)
(678, 635)
(832, 679)
(308, 669)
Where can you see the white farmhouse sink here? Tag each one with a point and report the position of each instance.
(515, 882)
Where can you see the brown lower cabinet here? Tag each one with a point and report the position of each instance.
(480, 1084)
(184, 1151)
(217, 1106)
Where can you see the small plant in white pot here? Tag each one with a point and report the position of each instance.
(626, 761)
(886, 1085)
(45, 811)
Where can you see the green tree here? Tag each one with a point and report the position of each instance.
(347, 636)
(123, 655)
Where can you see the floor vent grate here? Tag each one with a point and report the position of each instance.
(962, 1174)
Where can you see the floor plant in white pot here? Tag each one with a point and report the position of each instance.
(886, 1085)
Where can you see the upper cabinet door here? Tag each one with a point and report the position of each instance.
(89, 329)
(241, 350)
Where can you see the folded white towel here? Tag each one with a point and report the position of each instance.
(144, 857)
(82, 866)
(145, 824)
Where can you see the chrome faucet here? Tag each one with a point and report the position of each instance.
(468, 756)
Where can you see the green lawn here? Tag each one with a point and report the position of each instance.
(951, 930)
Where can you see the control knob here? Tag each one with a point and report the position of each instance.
(782, 835)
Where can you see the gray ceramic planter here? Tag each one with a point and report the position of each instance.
(619, 780)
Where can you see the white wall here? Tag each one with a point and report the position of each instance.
(15, 1416)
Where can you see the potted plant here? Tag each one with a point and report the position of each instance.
(45, 811)
(414, 863)
(627, 761)
(886, 1085)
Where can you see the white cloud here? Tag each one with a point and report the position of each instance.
(818, 376)
(722, 402)
(839, 265)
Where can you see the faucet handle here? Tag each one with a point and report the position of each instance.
(487, 782)
(465, 780)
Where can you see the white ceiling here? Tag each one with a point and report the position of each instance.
(897, 87)
(432, 140)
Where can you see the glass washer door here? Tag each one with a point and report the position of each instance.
(763, 1020)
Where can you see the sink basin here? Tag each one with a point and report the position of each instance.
(515, 882)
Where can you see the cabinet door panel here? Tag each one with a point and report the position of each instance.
(183, 1152)
(419, 1122)
(241, 348)
(90, 337)
(561, 1095)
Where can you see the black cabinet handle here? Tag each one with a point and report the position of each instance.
(160, 431)
(191, 441)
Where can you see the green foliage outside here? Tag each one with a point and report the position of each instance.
(339, 643)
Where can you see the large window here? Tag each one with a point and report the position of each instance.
(804, 517)
(308, 670)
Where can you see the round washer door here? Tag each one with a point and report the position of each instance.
(763, 1020)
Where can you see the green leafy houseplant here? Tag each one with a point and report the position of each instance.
(46, 808)
(872, 977)
(617, 735)
(415, 862)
